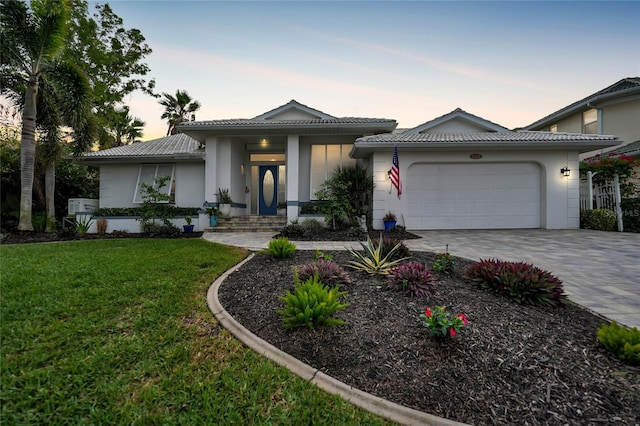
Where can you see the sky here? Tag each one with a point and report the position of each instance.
(508, 62)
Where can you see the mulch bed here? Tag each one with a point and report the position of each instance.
(512, 364)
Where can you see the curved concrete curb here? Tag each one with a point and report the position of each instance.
(373, 404)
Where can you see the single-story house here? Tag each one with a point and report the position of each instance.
(458, 171)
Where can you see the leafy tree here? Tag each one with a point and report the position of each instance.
(50, 91)
(177, 109)
(113, 57)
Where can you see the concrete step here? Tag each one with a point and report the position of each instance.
(249, 224)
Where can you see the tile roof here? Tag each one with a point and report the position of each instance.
(499, 137)
(293, 104)
(632, 149)
(459, 113)
(252, 122)
(625, 87)
(174, 146)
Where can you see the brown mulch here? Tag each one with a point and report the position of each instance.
(512, 364)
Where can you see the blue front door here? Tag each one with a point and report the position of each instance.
(268, 196)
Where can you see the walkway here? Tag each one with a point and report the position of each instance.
(600, 270)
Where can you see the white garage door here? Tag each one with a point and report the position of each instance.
(473, 196)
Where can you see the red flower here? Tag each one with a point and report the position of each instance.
(452, 332)
(464, 319)
(428, 312)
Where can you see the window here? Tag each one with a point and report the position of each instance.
(149, 173)
(590, 122)
(325, 159)
(554, 128)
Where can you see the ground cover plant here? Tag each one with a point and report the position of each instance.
(509, 364)
(118, 332)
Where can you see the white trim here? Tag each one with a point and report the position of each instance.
(137, 198)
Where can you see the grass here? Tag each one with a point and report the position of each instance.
(118, 332)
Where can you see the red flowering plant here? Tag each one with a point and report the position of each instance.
(610, 164)
(440, 323)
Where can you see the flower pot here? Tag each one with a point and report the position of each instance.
(213, 221)
(225, 210)
(188, 228)
(388, 224)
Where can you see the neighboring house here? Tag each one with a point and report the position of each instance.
(458, 171)
(614, 110)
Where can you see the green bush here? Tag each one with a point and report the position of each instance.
(312, 227)
(281, 248)
(327, 271)
(443, 263)
(523, 282)
(311, 304)
(622, 341)
(598, 219)
(631, 214)
(292, 230)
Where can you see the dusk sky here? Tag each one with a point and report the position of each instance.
(508, 62)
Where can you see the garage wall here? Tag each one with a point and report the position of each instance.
(559, 195)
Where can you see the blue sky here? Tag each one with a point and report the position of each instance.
(509, 62)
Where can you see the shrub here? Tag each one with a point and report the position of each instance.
(319, 254)
(312, 227)
(631, 214)
(327, 271)
(598, 219)
(388, 244)
(372, 261)
(443, 263)
(356, 233)
(622, 341)
(311, 304)
(160, 230)
(292, 230)
(412, 278)
(281, 248)
(82, 224)
(520, 281)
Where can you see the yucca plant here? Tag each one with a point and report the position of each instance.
(311, 303)
(372, 261)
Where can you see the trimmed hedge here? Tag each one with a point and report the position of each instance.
(631, 214)
(172, 211)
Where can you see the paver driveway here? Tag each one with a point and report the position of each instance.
(600, 270)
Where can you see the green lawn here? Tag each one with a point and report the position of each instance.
(118, 332)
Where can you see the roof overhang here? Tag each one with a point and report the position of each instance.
(364, 147)
(173, 158)
(203, 130)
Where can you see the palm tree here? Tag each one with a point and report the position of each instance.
(123, 129)
(177, 109)
(50, 93)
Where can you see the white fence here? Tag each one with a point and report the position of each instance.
(601, 195)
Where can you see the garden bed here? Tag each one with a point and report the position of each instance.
(512, 364)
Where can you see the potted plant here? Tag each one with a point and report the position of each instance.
(188, 228)
(224, 202)
(389, 220)
(213, 214)
(282, 208)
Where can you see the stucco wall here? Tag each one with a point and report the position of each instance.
(560, 203)
(118, 184)
(621, 119)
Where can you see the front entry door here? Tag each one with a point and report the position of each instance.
(268, 195)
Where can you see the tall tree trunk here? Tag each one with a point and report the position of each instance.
(28, 155)
(49, 190)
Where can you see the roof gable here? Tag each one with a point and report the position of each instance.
(629, 86)
(457, 121)
(293, 111)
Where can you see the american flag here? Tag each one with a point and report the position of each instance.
(395, 172)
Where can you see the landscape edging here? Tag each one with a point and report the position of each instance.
(376, 405)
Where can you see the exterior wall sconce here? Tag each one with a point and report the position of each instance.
(242, 169)
(565, 171)
(389, 174)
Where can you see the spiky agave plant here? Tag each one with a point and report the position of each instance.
(372, 261)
